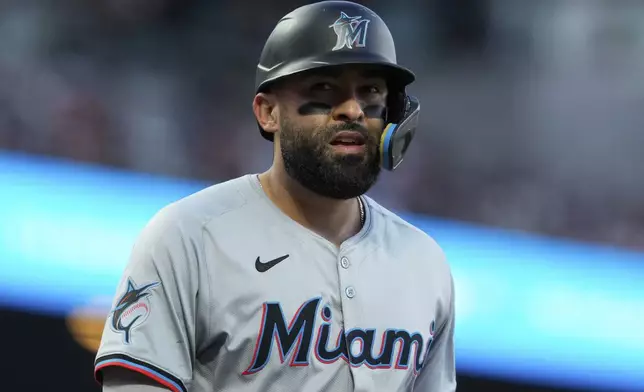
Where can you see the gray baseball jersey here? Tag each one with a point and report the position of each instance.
(224, 292)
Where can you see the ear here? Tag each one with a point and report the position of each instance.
(266, 112)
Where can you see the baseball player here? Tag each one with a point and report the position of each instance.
(293, 279)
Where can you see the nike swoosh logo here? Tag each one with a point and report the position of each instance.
(263, 267)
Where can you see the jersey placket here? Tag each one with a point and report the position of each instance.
(351, 310)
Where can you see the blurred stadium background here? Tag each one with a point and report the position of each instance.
(528, 169)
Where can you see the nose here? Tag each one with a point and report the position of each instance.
(349, 111)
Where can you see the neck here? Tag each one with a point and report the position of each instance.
(336, 220)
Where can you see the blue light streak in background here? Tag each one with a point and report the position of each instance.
(528, 308)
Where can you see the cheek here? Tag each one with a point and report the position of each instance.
(375, 128)
(374, 111)
(375, 125)
(303, 130)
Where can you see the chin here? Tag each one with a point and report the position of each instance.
(348, 181)
(342, 182)
(342, 192)
(333, 174)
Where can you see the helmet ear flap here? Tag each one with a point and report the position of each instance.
(402, 120)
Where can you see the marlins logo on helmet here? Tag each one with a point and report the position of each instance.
(131, 309)
(351, 30)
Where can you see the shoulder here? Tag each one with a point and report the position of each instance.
(400, 234)
(417, 252)
(186, 218)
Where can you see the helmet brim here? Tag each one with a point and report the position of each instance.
(393, 73)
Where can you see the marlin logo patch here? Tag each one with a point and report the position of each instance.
(351, 31)
(131, 309)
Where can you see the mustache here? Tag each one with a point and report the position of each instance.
(353, 127)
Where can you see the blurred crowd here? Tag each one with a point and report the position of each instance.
(531, 111)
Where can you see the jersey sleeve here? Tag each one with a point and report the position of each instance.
(439, 369)
(151, 326)
(121, 381)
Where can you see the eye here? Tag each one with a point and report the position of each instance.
(372, 89)
(322, 86)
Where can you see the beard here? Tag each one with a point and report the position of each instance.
(310, 160)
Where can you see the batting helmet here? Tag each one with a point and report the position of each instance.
(334, 33)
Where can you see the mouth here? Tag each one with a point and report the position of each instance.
(349, 141)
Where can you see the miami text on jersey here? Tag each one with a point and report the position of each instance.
(295, 340)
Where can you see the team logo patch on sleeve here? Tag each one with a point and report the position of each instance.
(131, 310)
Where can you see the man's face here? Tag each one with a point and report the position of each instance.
(330, 128)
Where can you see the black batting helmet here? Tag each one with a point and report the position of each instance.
(333, 33)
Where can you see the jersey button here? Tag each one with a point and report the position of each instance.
(344, 262)
(350, 292)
